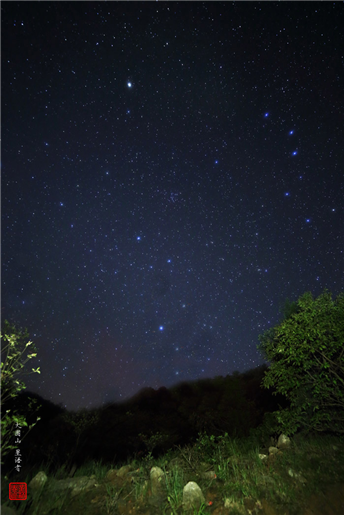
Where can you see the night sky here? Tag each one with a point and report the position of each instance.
(171, 173)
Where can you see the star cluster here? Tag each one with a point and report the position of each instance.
(171, 173)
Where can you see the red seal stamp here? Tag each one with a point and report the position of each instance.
(18, 491)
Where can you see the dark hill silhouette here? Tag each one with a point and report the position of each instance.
(233, 404)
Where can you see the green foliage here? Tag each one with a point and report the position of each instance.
(289, 308)
(152, 441)
(80, 421)
(266, 429)
(14, 345)
(207, 446)
(307, 354)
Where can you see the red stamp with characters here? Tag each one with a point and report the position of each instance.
(18, 491)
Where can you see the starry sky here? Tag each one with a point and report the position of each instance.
(171, 173)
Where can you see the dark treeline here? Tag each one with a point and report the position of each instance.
(234, 404)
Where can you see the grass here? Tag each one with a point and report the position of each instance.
(229, 472)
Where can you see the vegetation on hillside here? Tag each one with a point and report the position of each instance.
(306, 351)
(223, 424)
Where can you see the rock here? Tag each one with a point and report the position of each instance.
(297, 476)
(6, 510)
(157, 479)
(38, 481)
(273, 450)
(155, 485)
(192, 496)
(111, 474)
(76, 485)
(232, 505)
(283, 442)
(80, 484)
(123, 471)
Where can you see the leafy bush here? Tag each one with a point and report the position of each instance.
(13, 340)
(154, 440)
(307, 354)
(79, 421)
